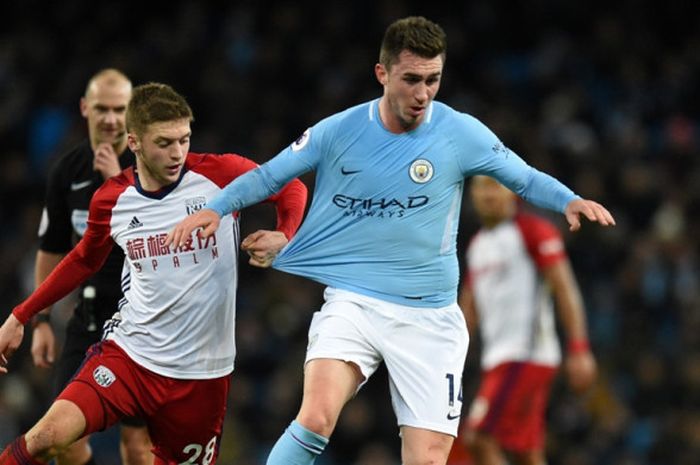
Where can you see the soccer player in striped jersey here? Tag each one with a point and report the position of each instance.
(167, 355)
(381, 234)
(516, 262)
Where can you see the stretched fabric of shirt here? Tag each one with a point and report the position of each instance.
(177, 316)
(384, 217)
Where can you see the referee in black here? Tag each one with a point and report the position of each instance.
(72, 181)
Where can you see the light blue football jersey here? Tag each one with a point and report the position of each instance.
(385, 210)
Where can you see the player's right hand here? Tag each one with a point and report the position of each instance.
(204, 218)
(106, 160)
(581, 370)
(11, 333)
(43, 345)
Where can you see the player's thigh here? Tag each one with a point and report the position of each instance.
(108, 387)
(420, 446)
(187, 428)
(342, 331)
(328, 385)
(424, 354)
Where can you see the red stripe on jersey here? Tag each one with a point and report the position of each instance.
(86, 258)
(542, 239)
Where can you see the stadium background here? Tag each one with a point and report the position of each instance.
(605, 97)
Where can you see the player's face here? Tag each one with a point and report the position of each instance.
(492, 201)
(160, 152)
(104, 107)
(409, 87)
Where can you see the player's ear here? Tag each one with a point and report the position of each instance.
(83, 107)
(382, 74)
(133, 142)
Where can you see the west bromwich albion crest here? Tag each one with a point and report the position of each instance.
(195, 204)
(103, 376)
(421, 171)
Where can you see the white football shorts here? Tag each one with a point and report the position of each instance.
(424, 350)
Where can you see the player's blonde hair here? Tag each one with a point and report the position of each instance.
(416, 34)
(155, 103)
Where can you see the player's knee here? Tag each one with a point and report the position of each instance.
(426, 453)
(318, 422)
(47, 440)
(425, 449)
(135, 446)
(427, 457)
(77, 453)
(136, 455)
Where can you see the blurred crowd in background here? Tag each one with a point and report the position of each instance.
(604, 97)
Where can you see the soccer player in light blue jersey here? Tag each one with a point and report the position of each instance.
(381, 234)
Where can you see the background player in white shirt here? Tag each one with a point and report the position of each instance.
(381, 234)
(516, 262)
(167, 356)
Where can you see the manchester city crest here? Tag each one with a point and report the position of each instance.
(195, 204)
(421, 171)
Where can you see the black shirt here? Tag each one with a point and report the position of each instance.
(71, 184)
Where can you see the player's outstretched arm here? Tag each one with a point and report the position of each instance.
(11, 334)
(205, 218)
(592, 210)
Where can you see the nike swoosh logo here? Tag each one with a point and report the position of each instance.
(76, 186)
(346, 172)
(452, 417)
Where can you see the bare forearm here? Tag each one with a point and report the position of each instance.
(569, 302)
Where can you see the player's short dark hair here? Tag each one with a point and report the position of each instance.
(155, 103)
(416, 34)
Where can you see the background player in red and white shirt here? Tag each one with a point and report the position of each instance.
(516, 263)
(167, 355)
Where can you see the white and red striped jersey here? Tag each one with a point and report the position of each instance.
(513, 302)
(178, 311)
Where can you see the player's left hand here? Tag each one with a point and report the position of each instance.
(592, 210)
(581, 370)
(263, 246)
(11, 334)
(106, 160)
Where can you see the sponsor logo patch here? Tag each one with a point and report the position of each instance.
(301, 142)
